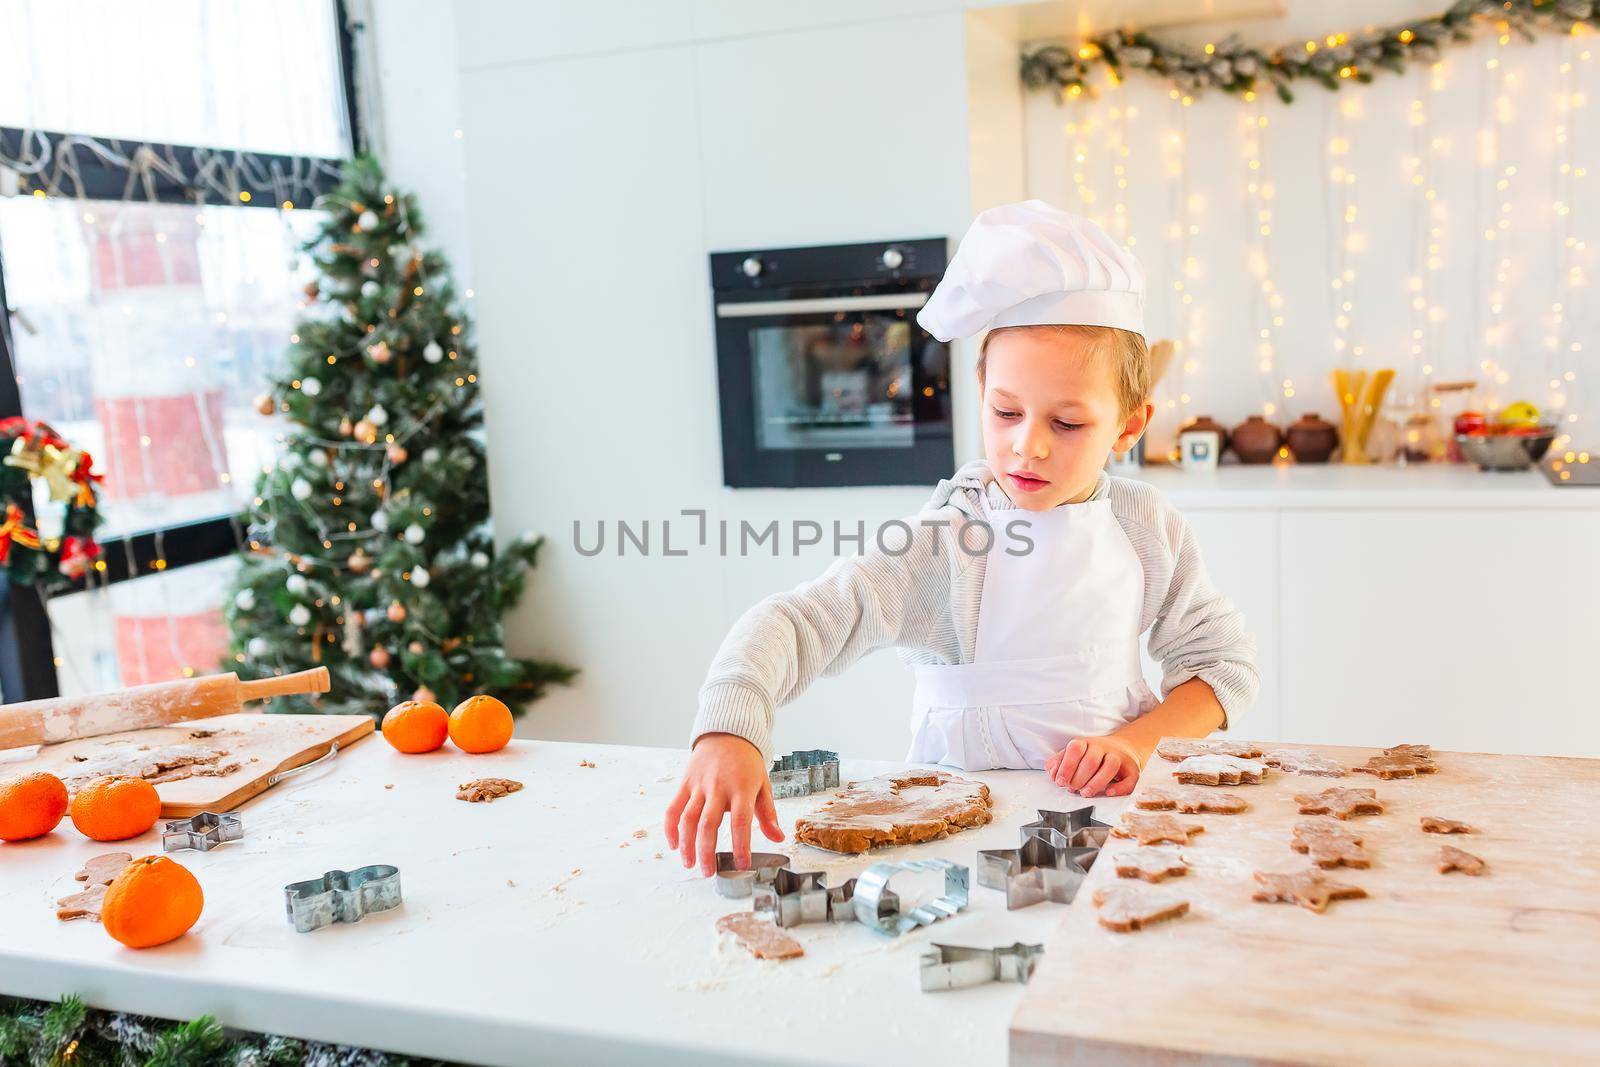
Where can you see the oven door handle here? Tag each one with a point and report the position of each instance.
(820, 305)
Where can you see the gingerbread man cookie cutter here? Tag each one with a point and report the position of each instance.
(879, 907)
(795, 897)
(958, 967)
(203, 832)
(735, 884)
(342, 897)
(799, 774)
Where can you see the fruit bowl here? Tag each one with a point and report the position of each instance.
(1506, 451)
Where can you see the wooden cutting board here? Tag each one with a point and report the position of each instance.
(1430, 969)
(261, 746)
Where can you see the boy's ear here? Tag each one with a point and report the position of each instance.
(1134, 427)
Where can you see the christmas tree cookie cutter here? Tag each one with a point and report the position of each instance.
(800, 774)
(735, 884)
(342, 897)
(958, 967)
(203, 832)
(1057, 850)
(879, 907)
(795, 897)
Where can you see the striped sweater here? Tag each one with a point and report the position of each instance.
(924, 602)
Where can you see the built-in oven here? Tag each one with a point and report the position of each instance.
(825, 378)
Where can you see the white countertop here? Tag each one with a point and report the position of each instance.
(488, 961)
(1339, 486)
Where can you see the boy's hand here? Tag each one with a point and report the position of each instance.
(725, 775)
(1095, 766)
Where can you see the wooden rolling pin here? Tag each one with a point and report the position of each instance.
(46, 722)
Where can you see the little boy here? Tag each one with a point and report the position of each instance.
(1031, 575)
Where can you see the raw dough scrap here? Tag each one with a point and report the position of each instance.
(1219, 770)
(1401, 761)
(82, 905)
(1309, 889)
(895, 809)
(760, 936)
(486, 789)
(1328, 844)
(1189, 800)
(164, 763)
(1311, 763)
(102, 869)
(1176, 750)
(1433, 824)
(1132, 907)
(1153, 863)
(1154, 829)
(1340, 803)
(1454, 859)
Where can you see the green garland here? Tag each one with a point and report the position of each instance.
(1235, 67)
(71, 1034)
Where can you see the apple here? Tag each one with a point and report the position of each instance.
(1471, 422)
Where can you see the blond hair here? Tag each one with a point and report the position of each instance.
(1126, 353)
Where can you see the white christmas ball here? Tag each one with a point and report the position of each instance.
(368, 220)
(419, 577)
(377, 416)
(259, 648)
(480, 559)
(245, 600)
(297, 584)
(299, 615)
(319, 458)
(415, 534)
(373, 616)
(369, 288)
(311, 387)
(432, 352)
(289, 460)
(300, 489)
(380, 521)
(430, 455)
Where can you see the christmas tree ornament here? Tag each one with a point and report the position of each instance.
(430, 456)
(346, 427)
(353, 634)
(265, 405)
(312, 291)
(299, 615)
(424, 694)
(480, 559)
(303, 566)
(432, 352)
(380, 521)
(379, 657)
(417, 648)
(377, 415)
(369, 288)
(297, 585)
(259, 648)
(415, 534)
(397, 454)
(420, 577)
(373, 616)
(368, 220)
(366, 432)
(289, 461)
(245, 599)
(359, 562)
(300, 489)
(379, 354)
(311, 387)
(397, 611)
(318, 458)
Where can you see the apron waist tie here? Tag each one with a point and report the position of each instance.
(1078, 676)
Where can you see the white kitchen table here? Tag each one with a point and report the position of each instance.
(537, 928)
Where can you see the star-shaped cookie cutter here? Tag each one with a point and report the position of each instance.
(735, 884)
(878, 906)
(957, 967)
(795, 897)
(1077, 828)
(800, 774)
(342, 896)
(1057, 850)
(204, 832)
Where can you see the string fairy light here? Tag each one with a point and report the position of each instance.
(1349, 240)
(1266, 302)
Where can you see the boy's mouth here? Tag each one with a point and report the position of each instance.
(1028, 483)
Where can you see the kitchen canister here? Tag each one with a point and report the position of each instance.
(1255, 440)
(1312, 439)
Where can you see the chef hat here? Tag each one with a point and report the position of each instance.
(1032, 264)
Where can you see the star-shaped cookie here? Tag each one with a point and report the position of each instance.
(1329, 844)
(1309, 889)
(1155, 829)
(1189, 800)
(1340, 803)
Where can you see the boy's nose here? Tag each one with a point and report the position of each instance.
(1032, 442)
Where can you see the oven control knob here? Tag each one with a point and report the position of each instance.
(751, 267)
(893, 258)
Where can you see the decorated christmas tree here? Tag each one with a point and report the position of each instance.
(370, 551)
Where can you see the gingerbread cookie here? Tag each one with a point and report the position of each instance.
(1219, 770)
(1432, 824)
(1454, 859)
(102, 869)
(1153, 863)
(1401, 761)
(1329, 844)
(1309, 889)
(1189, 800)
(1124, 908)
(895, 809)
(82, 905)
(1310, 763)
(483, 790)
(1154, 829)
(1178, 749)
(760, 936)
(1340, 803)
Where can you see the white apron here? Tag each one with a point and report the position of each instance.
(1057, 652)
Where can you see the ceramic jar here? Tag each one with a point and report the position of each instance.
(1206, 422)
(1313, 439)
(1255, 440)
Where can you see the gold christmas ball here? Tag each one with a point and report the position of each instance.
(359, 562)
(416, 648)
(365, 432)
(379, 352)
(397, 611)
(379, 657)
(345, 427)
(265, 404)
(424, 695)
(398, 454)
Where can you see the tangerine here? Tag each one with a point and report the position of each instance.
(31, 806)
(416, 726)
(152, 901)
(480, 724)
(116, 808)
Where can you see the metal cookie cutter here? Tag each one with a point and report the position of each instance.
(204, 832)
(735, 884)
(877, 906)
(342, 897)
(1076, 828)
(800, 774)
(957, 967)
(801, 897)
(1043, 868)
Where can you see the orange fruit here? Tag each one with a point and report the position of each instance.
(416, 726)
(480, 724)
(152, 901)
(31, 806)
(116, 808)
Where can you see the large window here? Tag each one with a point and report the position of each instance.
(151, 223)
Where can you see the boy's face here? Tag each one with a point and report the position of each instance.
(1051, 416)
